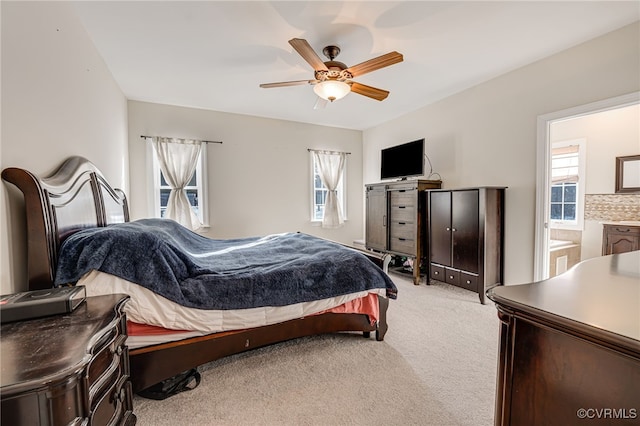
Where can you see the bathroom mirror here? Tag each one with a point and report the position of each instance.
(628, 174)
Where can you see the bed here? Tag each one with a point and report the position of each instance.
(77, 201)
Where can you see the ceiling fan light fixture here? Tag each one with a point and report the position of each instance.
(332, 90)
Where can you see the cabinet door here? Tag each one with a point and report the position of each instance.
(376, 220)
(440, 227)
(465, 228)
(621, 243)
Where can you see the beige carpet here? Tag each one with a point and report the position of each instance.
(436, 366)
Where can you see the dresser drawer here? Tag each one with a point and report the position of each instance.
(406, 230)
(452, 276)
(402, 245)
(623, 229)
(437, 272)
(403, 198)
(468, 281)
(402, 214)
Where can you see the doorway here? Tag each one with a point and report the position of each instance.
(546, 257)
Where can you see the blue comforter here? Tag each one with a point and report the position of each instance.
(204, 273)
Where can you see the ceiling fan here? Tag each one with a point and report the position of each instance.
(333, 79)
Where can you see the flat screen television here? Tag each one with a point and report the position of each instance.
(402, 161)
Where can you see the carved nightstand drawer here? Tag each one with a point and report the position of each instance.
(112, 404)
(111, 357)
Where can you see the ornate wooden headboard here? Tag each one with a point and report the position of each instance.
(76, 196)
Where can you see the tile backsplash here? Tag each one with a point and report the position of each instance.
(612, 207)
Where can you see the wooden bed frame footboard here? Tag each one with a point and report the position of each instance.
(150, 365)
(77, 196)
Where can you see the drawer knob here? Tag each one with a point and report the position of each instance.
(468, 281)
(435, 272)
(450, 277)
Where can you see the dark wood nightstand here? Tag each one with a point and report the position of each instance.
(68, 369)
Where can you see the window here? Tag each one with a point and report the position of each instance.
(319, 193)
(196, 189)
(564, 202)
(567, 184)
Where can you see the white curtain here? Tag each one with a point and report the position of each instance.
(330, 169)
(178, 159)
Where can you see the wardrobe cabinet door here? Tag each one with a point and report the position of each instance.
(440, 227)
(465, 228)
(376, 223)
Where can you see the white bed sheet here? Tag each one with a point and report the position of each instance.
(134, 342)
(146, 307)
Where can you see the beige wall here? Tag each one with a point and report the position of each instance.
(259, 179)
(58, 99)
(487, 135)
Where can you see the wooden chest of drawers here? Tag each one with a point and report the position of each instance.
(68, 369)
(396, 219)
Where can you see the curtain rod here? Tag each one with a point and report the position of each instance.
(145, 137)
(324, 150)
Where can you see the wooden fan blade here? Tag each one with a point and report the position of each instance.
(287, 83)
(371, 92)
(375, 63)
(306, 51)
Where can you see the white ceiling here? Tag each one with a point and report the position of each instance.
(213, 54)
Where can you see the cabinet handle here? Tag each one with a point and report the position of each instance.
(450, 277)
(453, 229)
(436, 272)
(402, 223)
(468, 281)
(622, 229)
(402, 207)
(448, 229)
(402, 239)
(384, 220)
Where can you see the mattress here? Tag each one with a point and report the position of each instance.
(148, 308)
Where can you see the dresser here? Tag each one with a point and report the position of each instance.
(68, 369)
(396, 218)
(570, 346)
(620, 237)
(466, 237)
